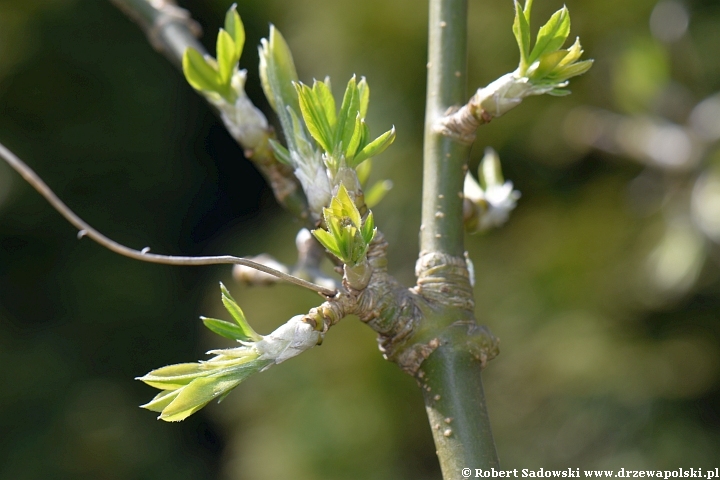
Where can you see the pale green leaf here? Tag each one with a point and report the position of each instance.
(375, 147)
(364, 135)
(547, 64)
(225, 329)
(297, 137)
(559, 92)
(313, 115)
(327, 241)
(161, 400)
(346, 243)
(234, 26)
(521, 30)
(574, 53)
(173, 376)
(528, 9)
(363, 173)
(364, 91)
(377, 192)
(326, 102)
(334, 227)
(368, 229)
(225, 56)
(237, 313)
(348, 205)
(199, 74)
(552, 35)
(277, 75)
(572, 70)
(281, 153)
(353, 144)
(195, 396)
(345, 119)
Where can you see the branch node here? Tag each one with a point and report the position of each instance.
(444, 280)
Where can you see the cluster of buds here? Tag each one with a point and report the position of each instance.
(329, 150)
(348, 237)
(328, 145)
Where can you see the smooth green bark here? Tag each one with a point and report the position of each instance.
(450, 377)
(444, 158)
(455, 404)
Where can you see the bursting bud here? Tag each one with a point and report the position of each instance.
(488, 203)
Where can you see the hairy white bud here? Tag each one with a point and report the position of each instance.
(314, 179)
(507, 92)
(495, 199)
(243, 120)
(289, 340)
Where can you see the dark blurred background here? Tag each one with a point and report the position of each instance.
(603, 287)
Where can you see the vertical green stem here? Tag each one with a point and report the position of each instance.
(453, 389)
(457, 412)
(444, 158)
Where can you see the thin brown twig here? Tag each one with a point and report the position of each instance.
(86, 230)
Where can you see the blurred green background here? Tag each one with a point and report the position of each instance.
(603, 287)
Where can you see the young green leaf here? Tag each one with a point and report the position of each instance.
(355, 140)
(377, 192)
(375, 147)
(364, 91)
(574, 53)
(225, 329)
(277, 76)
(521, 30)
(161, 400)
(348, 206)
(199, 74)
(297, 136)
(234, 26)
(528, 9)
(226, 59)
(195, 396)
(368, 229)
(281, 153)
(313, 113)
(346, 118)
(363, 173)
(552, 35)
(572, 70)
(173, 376)
(547, 64)
(559, 92)
(324, 98)
(237, 313)
(327, 241)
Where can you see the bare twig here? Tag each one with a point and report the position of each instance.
(86, 230)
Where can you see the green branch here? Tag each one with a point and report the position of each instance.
(450, 376)
(444, 158)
